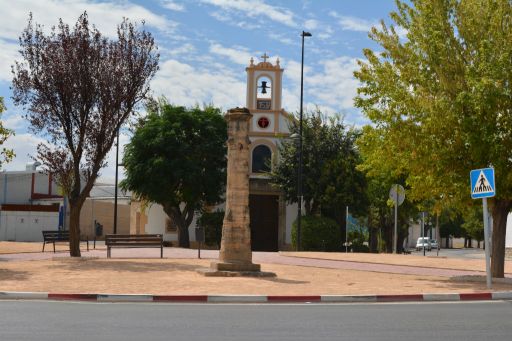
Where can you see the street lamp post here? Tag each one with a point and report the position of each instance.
(115, 188)
(299, 177)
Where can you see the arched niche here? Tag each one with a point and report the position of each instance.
(261, 159)
(264, 87)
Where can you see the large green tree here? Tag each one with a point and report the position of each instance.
(6, 155)
(330, 178)
(439, 97)
(177, 158)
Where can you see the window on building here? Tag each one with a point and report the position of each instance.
(261, 156)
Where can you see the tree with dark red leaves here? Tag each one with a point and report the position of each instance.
(78, 88)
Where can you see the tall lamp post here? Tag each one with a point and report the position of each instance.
(115, 188)
(299, 176)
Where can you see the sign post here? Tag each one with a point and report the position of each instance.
(483, 186)
(346, 232)
(397, 194)
(199, 239)
(423, 230)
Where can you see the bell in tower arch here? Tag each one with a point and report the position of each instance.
(265, 88)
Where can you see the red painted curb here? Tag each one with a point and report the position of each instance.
(399, 298)
(474, 296)
(80, 297)
(294, 298)
(179, 298)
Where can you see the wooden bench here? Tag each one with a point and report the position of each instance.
(134, 241)
(51, 237)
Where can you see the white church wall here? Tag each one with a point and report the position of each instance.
(256, 116)
(284, 124)
(157, 222)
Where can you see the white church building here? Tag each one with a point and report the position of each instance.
(271, 216)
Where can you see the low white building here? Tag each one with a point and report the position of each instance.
(30, 203)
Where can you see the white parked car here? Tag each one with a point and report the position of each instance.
(426, 242)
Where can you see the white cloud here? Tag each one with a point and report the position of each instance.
(334, 86)
(8, 54)
(185, 49)
(228, 19)
(311, 24)
(402, 32)
(173, 6)
(186, 85)
(293, 70)
(283, 39)
(107, 174)
(23, 144)
(238, 55)
(105, 15)
(326, 33)
(353, 23)
(256, 8)
(13, 119)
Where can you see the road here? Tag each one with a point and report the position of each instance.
(472, 253)
(46, 320)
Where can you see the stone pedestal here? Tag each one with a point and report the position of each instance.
(235, 258)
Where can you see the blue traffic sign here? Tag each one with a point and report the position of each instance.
(482, 183)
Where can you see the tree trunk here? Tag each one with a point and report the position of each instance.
(500, 210)
(343, 227)
(182, 223)
(388, 238)
(373, 239)
(74, 230)
(183, 237)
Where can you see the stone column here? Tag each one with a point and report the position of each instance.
(235, 252)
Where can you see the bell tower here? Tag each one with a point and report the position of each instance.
(264, 93)
(268, 124)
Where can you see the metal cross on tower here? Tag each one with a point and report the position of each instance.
(265, 57)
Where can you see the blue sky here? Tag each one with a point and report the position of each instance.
(205, 46)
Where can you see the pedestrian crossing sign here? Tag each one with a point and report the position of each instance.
(482, 183)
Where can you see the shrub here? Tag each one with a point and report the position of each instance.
(318, 234)
(212, 224)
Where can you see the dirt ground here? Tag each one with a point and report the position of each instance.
(179, 276)
(430, 261)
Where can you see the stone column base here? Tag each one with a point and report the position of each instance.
(221, 269)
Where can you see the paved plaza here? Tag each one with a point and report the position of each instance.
(141, 271)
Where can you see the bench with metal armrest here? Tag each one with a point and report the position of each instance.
(134, 241)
